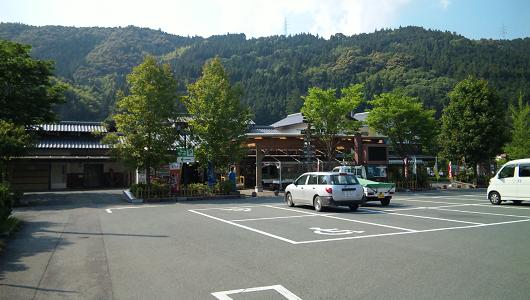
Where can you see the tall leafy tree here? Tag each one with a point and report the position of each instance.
(146, 118)
(330, 116)
(28, 93)
(27, 89)
(218, 120)
(13, 141)
(519, 146)
(473, 124)
(404, 120)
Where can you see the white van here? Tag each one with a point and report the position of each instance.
(511, 183)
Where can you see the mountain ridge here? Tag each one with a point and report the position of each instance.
(275, 71)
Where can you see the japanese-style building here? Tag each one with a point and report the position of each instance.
(71, 155)
(283, 150)
(68, 155)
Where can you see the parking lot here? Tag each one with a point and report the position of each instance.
(443, 245)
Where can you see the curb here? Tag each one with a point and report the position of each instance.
(129, 197)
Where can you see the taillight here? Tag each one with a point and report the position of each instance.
(329, 190)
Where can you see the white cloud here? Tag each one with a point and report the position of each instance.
(445, 3)
(208, 17)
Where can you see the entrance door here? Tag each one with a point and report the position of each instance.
(93, 175)
(58, 176)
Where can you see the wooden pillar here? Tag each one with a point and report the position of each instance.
(259, 158)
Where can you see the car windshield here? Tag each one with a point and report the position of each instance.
(345, 179)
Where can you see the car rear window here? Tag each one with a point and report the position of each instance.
(524, 170)
(345, 179)
(323, 179)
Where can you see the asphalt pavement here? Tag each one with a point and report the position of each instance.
(432, 245)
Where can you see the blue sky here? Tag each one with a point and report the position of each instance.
(472, 18)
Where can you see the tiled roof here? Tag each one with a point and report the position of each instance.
(292, 119)
(72, 143)
(262, 130)
(361, 116)
(72, 126)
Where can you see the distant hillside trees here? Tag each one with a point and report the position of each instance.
(275, 71)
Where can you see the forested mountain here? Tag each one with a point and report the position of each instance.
(275, 71)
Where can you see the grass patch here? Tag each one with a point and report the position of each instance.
(7, 228)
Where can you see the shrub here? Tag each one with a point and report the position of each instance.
(138, 188)
(197, 189)
(17, 197)
(224, 187)
(6, 202)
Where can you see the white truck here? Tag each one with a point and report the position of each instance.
(373, 190)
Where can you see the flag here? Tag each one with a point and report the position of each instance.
(405, 164)
(436, 173)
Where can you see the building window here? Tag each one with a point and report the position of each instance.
(377, 153)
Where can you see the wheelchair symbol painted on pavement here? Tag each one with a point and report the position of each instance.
(333, 231)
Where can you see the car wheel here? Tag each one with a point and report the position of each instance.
(354, 207)
(385, 202)
(289, 200)
(517, 202)
(495, 198)
(317, 203)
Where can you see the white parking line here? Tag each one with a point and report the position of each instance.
(428, 201)
(501, 206)
(109, 210)
(416, 208)
(229, 208)
(245, 227)
(483, 213)
(349, 220)
(273, 218)
(278, 288)
(424, 217)
(417, 231)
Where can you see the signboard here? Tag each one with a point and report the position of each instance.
(185, 155)
(175, 166)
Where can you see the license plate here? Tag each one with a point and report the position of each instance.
(381, 195)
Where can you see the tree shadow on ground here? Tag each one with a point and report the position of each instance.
(62, 200)
(29, 241)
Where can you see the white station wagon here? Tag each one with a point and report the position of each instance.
(512, 182)
(321, 189)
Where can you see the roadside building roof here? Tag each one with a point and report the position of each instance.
(72, 126)
(291, 119)
(70, 143)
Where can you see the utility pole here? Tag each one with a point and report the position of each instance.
(285, 26)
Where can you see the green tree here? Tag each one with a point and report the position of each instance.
(519, 146)
(405, 122)
(473, 124)
(146, 118)
(13, 141)
(218, 120)
(27, 89)
(330, 116)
